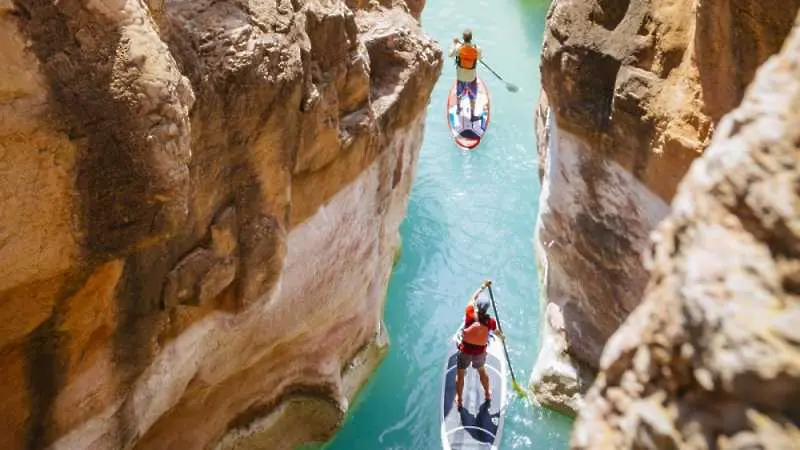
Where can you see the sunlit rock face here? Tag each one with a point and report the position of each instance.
(200, 209)
(711, 358)
(632, 93)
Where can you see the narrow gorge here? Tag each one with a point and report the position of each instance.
(201, 202)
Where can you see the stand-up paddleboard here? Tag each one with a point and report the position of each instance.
(467, 132)
(478, 425)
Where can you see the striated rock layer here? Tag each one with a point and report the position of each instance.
(632, 92)
(200, 208)
(711, 358)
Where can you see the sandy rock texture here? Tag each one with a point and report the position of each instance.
(632, 92)
(200, 208)
(711, 358)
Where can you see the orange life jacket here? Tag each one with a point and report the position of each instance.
(476, 334)
(467, 57)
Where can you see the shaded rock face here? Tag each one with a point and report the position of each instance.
(632, 91)
(201, 202)
(711, 358)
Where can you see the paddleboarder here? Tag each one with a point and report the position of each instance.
(475, 338)
(467, 56)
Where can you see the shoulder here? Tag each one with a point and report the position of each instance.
(492, 324)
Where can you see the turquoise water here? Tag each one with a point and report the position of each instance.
(471, 216)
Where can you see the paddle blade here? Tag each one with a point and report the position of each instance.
(512, 87)
(519, 389)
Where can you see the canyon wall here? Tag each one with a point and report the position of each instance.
(632, 92)
(711, 358)
(200, 209)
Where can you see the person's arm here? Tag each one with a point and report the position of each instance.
(496, 330)
(453, 50)
(475, 295)
(477, 292)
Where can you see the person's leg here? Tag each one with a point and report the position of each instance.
(473, 94)
(461, 368)
(460, 387)
(485, 383)
(460, 85)
(479, 364)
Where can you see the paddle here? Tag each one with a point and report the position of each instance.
(510, 86)
(516, 385)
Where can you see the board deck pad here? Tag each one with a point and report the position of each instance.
(478, 424)
(466, 132)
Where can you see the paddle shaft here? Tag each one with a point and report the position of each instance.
(492, 70)
(494, 307)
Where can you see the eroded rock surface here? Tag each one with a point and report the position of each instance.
(633, 90)
(711, 358)
(200, 210)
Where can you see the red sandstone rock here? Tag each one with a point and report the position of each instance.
(200, 210)
(635, 89)
(711, 358)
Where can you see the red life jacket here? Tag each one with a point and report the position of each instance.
(467, 57)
